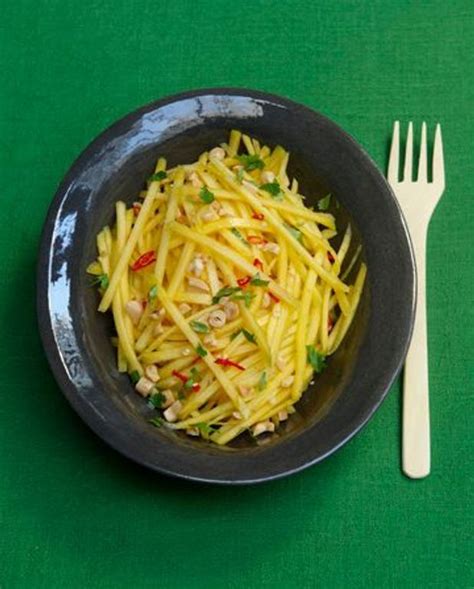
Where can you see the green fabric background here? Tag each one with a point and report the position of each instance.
(74, 513)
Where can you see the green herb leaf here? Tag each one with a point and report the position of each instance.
(102, 281)
(189, 384)
(199, 327)
(262, 382)
(237, 233)
(296, 233)
(205, 428)
(273, 188)
(247, 334)
(201, 351)
(323, 203)
(251, 162)
(161, 175)
(195, 374)
(157, 421)
(317, 360)
(206, 195)
(157, 400)
(135, 376)
(153, 293)
(246, 296)
(257, 281)
(227, 291)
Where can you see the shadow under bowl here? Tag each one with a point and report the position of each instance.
(324, 159)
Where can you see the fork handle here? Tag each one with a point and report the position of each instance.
(416, 415)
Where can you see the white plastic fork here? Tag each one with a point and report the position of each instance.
(418, 200)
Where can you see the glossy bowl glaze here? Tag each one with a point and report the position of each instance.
(76, 337)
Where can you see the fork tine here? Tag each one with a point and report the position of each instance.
(392, 172)
(407, 170)
(438, 159)
(422, 163)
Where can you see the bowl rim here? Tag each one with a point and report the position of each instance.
(50, 346)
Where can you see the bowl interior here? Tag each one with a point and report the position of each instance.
(323, 159)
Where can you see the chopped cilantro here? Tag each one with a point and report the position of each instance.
(246, 296)
(201, 351)
(102, 280)
(189, 384)
(262, 382)
(237, 233)
(251, 162)
(323, 203)
(135, 376)
(199, 327)
(206, 195)
(195, 374)
(161, 175)
(157, 421)
(226, 291)
(153, 293)
(273, 188)
(257, 281)
(247, 334)
(316, 359)
(205, 428)
(157, 399)
(296, 233)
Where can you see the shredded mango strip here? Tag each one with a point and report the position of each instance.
(225, 290)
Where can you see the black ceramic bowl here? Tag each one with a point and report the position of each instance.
(76, 337)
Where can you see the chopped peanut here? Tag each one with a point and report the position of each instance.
(169, 398)
(218, 153)
(144, 386)
(271, 247)
(280, 362)
(134, 310)
(288, 381)
(151, 372)
(195, 180)
(267, 177)
(244, 391)
(266, 300)
(196, 267)
(262, 427)
(184, 308)
(171, 414)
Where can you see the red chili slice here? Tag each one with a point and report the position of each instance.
(242, 282)
(330, 257)
(273, 297)
(256, 239)
(227, 362)
(258, 264)
(144, 260)
(196, 387)
(182, 377)
(258, 216)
